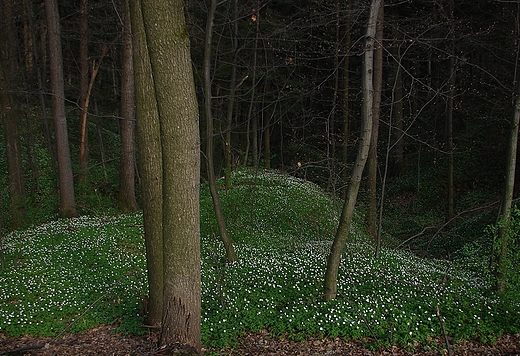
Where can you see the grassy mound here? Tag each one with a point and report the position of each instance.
(92, 270)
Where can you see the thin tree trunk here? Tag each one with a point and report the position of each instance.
(346, 98)
(331, 133)
(251, 121)
(221, 221)
(127, 200)
(39, 75)
(450, 196)
(83, 90)
(231, 98)
(66, 183)
(398, 116)
(372, 164)
(450, 211)
(502, 264)
(267, 145)
(333, 261)
(150, 164)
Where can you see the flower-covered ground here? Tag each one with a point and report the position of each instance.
(71, 276)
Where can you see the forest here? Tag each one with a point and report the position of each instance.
(348, 167)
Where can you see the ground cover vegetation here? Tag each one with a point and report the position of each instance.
(73, 274)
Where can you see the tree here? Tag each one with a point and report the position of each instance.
(449, 110)
(252, 120)
(150, 163)
(84, 89)
(10, 117)
(372, 164)
(331, 274)
(502, 260)
(169, 51)
(66, 184)
(221, 222)
(231, 96)
(346, 107)
(127, 201)
(507, 201)
(398, 107)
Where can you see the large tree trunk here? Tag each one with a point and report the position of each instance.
(169, 49)
(66, 184)
(10, 116)
(372, 164)
(127, 200)
(150, 163)
(221, 222)
(331, 274)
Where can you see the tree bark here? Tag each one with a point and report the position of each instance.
(219, 214)
(150, 163)
(169, 50)
(502, 257)
(372, 164)
(127, 200)
(66, 184)
(331, 274)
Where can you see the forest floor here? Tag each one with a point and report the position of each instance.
(103, 341)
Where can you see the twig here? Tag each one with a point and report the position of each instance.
(22, 350)
(414, 236)
(487, 206)
(443, 330)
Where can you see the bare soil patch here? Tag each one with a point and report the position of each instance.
(103, 341)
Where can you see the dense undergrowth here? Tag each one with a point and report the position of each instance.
(70, 275)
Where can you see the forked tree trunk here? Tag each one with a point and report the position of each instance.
(169, 50)
(217, 206)
(66, 184)
(333, 261)
(150, 164)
